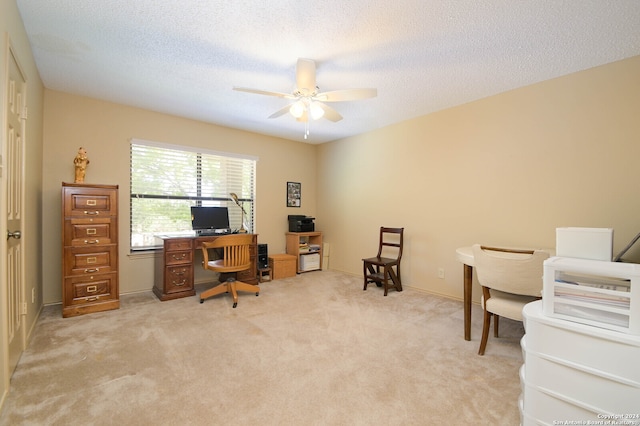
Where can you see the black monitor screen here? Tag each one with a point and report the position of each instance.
(209, 218)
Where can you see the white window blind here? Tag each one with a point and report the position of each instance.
(167, 180)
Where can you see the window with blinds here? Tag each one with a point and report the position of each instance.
(167, 180)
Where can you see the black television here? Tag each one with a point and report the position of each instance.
(209, 218)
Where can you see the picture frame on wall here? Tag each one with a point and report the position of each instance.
(294, 194)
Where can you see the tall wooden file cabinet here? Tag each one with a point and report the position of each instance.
(90, 248)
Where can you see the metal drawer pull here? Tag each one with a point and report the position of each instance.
(92, 299)
(91, 213)
(176, 272)
(177, 284)
(92, 259)
(92, 289)
(91, 231)
(179, 258)
(91, 241)
(91, 202)
(90, 271)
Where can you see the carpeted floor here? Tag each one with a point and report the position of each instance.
(310, 350)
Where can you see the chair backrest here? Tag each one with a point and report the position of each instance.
(508, 270)
(236, 251)
(391, 238)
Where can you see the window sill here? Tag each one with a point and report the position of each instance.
(144, 254)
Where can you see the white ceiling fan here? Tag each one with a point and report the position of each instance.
(307, 101)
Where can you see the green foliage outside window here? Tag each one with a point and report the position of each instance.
(167, 181)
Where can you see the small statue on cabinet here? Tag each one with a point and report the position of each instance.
(81, 161)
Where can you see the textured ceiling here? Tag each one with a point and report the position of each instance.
(184, 57)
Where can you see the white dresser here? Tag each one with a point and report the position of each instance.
(575, 372)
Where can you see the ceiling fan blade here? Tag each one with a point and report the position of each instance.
(306, 76)
(280, 112)
(264, 92)
(329, 113)
(346, 95)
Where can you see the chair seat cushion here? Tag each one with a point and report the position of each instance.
(219, 266)
(219, 263)
(507, 304)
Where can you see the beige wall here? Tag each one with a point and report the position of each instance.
(104, 129)
(505, 170)
(11, 28)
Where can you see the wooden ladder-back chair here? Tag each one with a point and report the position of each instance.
(384, 270)
(236, 258)
(510, 279)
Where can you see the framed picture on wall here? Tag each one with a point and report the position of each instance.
(294, 194)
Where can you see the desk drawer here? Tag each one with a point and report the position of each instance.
(178, 257)
(178, 279)
(248, 275)
(177, 244)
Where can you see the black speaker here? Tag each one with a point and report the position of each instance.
(263, 256)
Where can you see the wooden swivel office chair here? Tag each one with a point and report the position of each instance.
(384, 269)
(236, 258)
(510, 279)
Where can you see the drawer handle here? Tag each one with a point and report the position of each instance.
(92, 289)
(91, 241)
(179, 257)
(177, 284)
(90, 271)
(92, 299)
(91, 213)
(176, 272)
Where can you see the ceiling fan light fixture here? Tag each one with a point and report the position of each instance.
(316, 111)
(297, 109)
(307, 102)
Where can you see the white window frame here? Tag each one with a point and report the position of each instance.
(230, 172)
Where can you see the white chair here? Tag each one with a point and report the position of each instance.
(510, 279)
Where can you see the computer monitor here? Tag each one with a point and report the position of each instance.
(209, 218)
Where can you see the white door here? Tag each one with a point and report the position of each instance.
(13, 192)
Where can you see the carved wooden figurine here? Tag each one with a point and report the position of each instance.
(81, 161)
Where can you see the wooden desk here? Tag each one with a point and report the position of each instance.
(174, 269)
(465, 256)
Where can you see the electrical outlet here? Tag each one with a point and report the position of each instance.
(441, 273)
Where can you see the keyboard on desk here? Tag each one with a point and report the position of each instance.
(212, 232)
